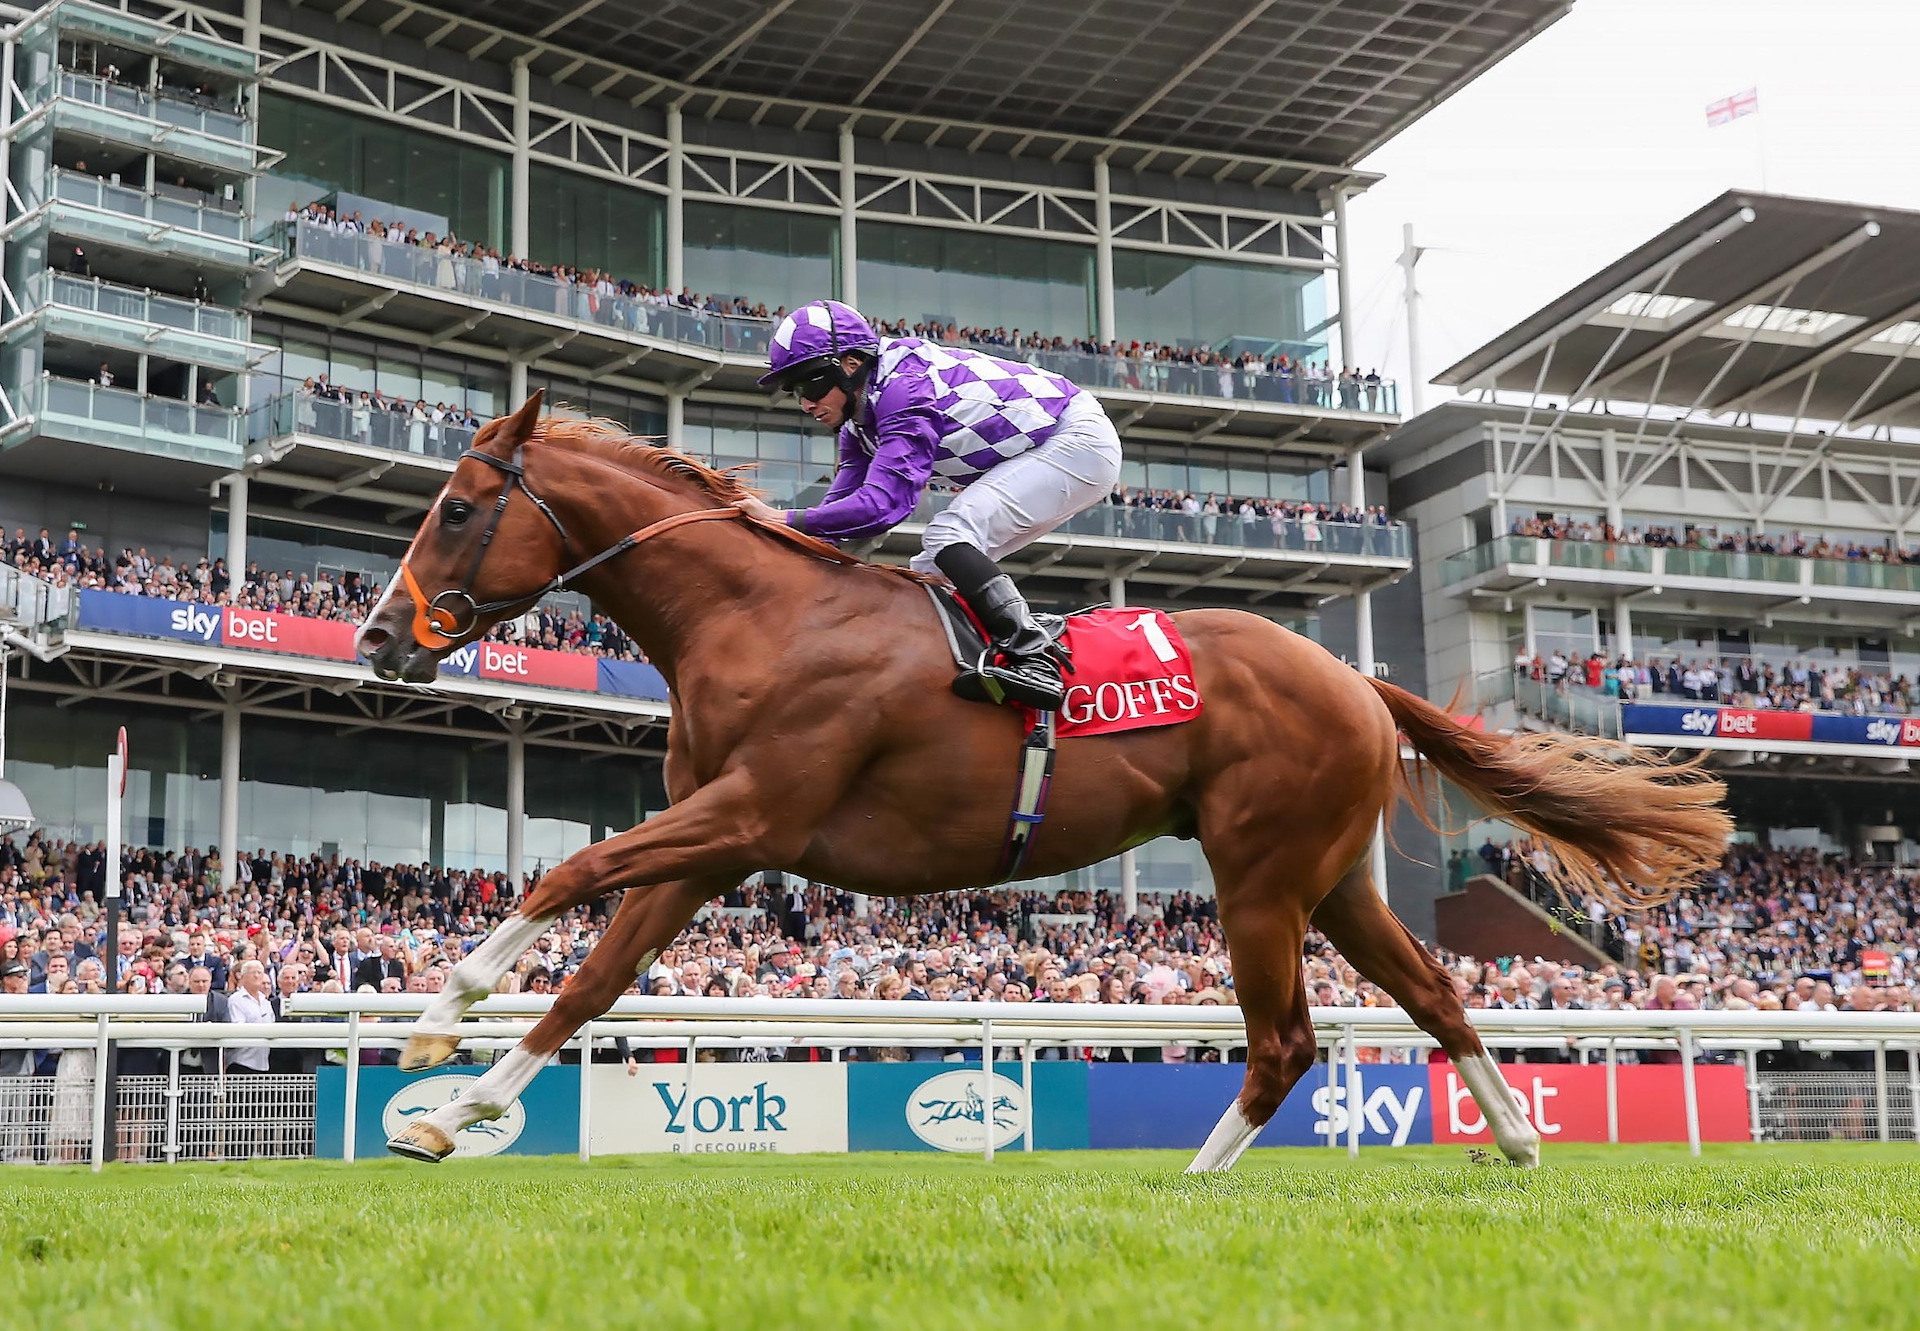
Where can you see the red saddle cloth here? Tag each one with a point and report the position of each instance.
(1131, 670)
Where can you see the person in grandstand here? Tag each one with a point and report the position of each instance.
(1027, 449)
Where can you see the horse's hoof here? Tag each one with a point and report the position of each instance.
(427, 1051)
(422, 1141)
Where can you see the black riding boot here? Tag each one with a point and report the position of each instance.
(1023, 664)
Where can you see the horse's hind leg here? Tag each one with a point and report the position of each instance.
(1264, 934)
(1357, 921)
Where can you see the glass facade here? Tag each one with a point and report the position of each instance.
(328, 149)
(788, 457)
(585, 222)
(769, 258)
(1221, 473)
(1175, 299)
(395, 798)
(394, 369)
(975, 278)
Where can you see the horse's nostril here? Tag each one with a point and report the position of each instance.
(372, 640)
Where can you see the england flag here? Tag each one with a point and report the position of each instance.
(1729, 109)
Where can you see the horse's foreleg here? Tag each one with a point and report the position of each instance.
(647, 919)
(1369, 935)
(721, 830)
(436, 1033)
(1264, 935)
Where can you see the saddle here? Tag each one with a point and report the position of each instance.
(970, 643)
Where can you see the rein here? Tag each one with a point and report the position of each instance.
(437, 626)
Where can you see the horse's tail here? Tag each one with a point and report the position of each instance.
(1623, 824)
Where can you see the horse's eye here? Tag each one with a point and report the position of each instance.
(455, 511)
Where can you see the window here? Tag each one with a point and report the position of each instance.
(766, 257)
(976, 278)
(1176, 300)
(588, 223)
(328, 149)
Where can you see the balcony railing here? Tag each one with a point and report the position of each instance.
(488, 281)
(32, 606)
(479, 279)
(97, 297)
(120, 418)
(194, 212)
(355, 423)
(1283, 535)
(373, 426)
(1654, 562)
(177, 112)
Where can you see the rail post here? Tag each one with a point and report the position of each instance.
(1692, 1092)
(1880, 1089)
(171, 1150)
(101, 1051)
(1613, 1090)
(586, 1090)
(1753, 1095)
(1353, 1097)
(1026, 1090)
(987, 1123)
(350, 1106)
(1913, 1088)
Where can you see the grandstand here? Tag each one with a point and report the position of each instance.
(1677, 505)
(267, 267)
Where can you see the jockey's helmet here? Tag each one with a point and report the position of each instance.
(808, 344)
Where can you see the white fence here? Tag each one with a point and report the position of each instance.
(219, 1115)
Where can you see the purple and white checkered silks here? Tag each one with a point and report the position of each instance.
(818, 328)
(989, 409)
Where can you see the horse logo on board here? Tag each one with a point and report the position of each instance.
(948, 1112)
(416, 1098)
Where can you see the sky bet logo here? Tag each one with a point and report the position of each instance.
(1883, 732)
(1699, 721)
(196, 623)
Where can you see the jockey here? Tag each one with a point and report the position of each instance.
(1027, 449)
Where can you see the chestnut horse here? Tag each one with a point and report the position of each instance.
(813, 732)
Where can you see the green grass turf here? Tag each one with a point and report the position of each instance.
(1749, 1237)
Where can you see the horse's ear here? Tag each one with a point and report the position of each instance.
(518, 428)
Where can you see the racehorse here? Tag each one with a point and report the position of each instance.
(813, 732)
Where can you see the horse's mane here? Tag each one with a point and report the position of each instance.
(724, 487)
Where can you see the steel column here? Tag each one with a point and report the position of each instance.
(1103, 252)
(849, 221)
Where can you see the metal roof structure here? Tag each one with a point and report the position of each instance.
(1755, 305)
(1309, 82)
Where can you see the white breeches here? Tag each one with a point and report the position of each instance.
(1023, 499)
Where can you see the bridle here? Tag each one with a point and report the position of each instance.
(437, 626)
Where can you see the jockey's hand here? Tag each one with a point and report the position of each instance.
(760, 510)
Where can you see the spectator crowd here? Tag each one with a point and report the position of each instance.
(70, 565)
(1767, 929)
(1737, 681)
(1793, 545)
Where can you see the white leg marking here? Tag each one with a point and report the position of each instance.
(1224, 1145)
(1516, 1137)
(489, 1097)
(478, 972)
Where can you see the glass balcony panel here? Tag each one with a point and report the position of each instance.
(367, 426)
(122, 419)
(748, 337)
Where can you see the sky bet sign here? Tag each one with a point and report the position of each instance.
(1751, 723)
(763, 1108)
(331, 640)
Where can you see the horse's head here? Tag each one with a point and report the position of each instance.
(485, 551)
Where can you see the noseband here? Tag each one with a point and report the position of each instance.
(451, 616)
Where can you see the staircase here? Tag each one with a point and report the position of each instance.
(1513, 702)
(33, 614)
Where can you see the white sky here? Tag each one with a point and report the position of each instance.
(1593, 137)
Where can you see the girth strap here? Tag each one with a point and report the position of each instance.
(1030, 797)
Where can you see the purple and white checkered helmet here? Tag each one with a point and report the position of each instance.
(813, 337)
